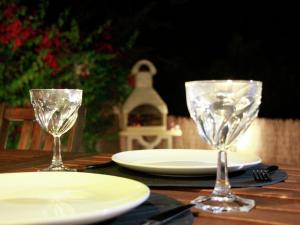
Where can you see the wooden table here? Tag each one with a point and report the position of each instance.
(275, 204)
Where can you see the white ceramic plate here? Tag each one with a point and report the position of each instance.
(66, 197)
(181, 162)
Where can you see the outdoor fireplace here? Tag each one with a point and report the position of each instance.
(144, 114)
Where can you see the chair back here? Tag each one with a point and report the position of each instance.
(18, 124)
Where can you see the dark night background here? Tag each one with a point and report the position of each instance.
(189, 40)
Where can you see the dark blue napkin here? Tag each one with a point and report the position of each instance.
(155, 204)
(241, 178)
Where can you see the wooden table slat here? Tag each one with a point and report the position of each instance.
(276, 204)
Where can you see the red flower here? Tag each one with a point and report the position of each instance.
(51, 61)
(10, 10)
(46, 42)
(17, 44)
(27, 33)
(13, 29)
(56, 41)
(105, 48)
(24, 35)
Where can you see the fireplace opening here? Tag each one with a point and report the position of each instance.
(145, 115)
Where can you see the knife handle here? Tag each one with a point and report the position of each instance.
(166, 216)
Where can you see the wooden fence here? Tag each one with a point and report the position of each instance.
(274, 140)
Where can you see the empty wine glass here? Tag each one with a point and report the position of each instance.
(56, 111)
(222, 111)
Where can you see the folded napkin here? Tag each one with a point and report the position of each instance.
(155, 204)
(241, 178)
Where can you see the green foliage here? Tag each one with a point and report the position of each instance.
(36, 54)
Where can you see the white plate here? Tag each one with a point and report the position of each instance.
(182, 162)
(66, 197)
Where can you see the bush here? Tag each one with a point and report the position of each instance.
(35, 53)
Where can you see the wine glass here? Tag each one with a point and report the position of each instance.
(222, 110)
(56, 111)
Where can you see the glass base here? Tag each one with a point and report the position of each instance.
(60, 168)
(221, 204)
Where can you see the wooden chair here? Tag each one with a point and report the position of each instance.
(31, 135)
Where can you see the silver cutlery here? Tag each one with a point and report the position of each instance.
(166, 216)
(264, 174)
(99, 165)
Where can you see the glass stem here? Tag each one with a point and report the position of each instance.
(222, 186)
(56, 159)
